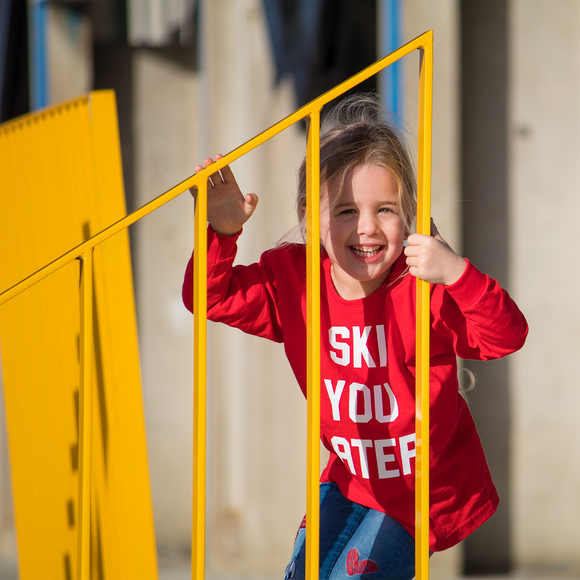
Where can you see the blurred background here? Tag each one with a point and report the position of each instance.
(198, 77)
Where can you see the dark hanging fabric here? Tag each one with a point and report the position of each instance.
(14, 85)
(321, 43)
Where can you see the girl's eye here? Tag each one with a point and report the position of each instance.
(386, 209)
(347, 211)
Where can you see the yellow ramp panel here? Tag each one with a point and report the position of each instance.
(60, 183)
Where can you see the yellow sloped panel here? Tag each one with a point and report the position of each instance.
(60, 182)
(41, 379)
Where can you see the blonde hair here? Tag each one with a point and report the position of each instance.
(357, 132)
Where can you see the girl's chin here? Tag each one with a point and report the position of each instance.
(372, 275)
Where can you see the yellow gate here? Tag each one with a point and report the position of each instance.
(85, 250)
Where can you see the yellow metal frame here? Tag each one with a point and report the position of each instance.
(424, 44)
(200, 383)
(313, 342)
(423, 320)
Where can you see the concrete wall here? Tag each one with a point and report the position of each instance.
(257, 410)
(257, 414)
(441, 17)
(69, 42)
(544, 275)
(165, 103)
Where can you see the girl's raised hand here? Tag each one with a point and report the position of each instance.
(431, 259)
(228, 209)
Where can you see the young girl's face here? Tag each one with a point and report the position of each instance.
(363, 233)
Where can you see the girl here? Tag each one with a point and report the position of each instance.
(368, 346)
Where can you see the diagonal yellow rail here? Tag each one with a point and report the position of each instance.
(424, 44)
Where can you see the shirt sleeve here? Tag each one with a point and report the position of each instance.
(484, 321)
(244, 297)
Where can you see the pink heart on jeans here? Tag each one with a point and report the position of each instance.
(354, 566)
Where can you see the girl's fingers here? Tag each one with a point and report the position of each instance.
(415, 239)
(435, 232)
(217, 177)
(228, 174)
(212, 179)
(225, 175)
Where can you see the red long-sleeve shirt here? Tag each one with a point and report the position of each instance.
(368, 375)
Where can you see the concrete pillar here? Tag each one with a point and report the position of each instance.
(164, 121)
(8, 554)
(69, 53)
(484, 68)
(441, 17)
(257, 465)
(256, 433)
(543, 209)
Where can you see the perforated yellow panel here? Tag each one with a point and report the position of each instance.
(60, 183)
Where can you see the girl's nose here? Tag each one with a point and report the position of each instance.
(367, 224)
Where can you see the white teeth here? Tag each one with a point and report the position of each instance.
(365, 251)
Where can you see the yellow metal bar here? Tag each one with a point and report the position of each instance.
(85, 416)
(423, 318)
(197, 179)
(200, 376)
(313, 345)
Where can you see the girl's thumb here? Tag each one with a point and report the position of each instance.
(251, 201)
(434, 231)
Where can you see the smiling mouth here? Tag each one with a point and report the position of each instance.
(366, 251)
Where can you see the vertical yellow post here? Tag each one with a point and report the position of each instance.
(423, 318)
(313, 345)
(199, 378)
(85, 416)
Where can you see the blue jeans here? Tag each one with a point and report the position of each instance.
(355, 541)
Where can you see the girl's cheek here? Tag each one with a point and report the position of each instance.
(324, 230)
